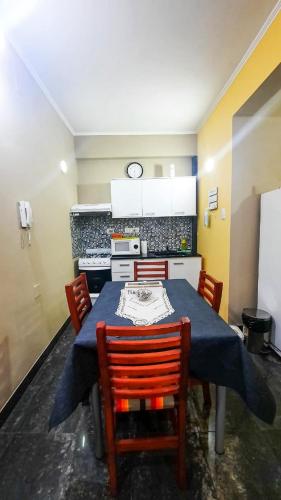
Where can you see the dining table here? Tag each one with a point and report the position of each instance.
(218, 356)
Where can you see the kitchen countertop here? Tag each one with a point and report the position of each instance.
(152, 255)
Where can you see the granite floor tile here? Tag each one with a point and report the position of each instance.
(33, 411)
(250, 467)
(34, 466)
(61, 465)
(140, 476)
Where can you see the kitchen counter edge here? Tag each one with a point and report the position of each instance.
(153, 256)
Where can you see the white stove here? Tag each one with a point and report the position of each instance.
(95, 259)
(97, 266)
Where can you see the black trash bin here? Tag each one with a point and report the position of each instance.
(258, 322)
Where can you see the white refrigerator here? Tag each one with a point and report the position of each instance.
(269, 282)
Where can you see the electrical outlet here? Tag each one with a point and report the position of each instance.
(132, 230)
(36, 290)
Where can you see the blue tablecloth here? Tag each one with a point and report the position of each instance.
(217, 353)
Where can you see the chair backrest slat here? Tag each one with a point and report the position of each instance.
(141, 331)
(144, 358)
(150, 270)
(145, 393)
(143, 368)
(137, 345)
(141, 382)
(210, 289)
(78, 299)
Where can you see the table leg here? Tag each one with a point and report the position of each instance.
(96, 408)
(220, 417)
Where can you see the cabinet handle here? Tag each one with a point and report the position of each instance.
(124, 265)
(179, 213)
(133, 215)
(150, 213)
(125, 276)
(178, 263)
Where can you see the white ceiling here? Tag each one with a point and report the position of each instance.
(135, 66)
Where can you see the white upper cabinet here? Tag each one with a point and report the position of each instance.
(183, 193)
(162, 197)
(126, 198)
(156, 197)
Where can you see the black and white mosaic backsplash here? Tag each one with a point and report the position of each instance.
(91, 231)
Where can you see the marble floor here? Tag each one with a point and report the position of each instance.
(37, 464)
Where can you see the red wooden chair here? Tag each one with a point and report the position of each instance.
(78, 299)
(145, 374)
(144, 270)
(211, 290)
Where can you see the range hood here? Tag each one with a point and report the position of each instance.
(84, 209)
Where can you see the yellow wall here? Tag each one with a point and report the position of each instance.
(33, 140)
(214, 140)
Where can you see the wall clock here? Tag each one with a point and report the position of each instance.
(134, 170)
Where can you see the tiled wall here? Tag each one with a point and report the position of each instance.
(90, 231)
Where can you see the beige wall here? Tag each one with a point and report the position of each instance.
(32, 142)
(256, 169)
(101, 158)
(94, 175)
(130, 146)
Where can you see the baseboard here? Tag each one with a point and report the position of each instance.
(275, 349)
(17, 394)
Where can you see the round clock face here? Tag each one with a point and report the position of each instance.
(134, 170)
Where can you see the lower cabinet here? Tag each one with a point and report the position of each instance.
(122, 270)
(178, 268)
(187, 268)
(125, 276)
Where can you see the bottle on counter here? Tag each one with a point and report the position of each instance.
(183, 244)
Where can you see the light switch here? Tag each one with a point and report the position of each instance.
(223, 214)
(206, 218)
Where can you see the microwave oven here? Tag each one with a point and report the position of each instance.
(125, 246)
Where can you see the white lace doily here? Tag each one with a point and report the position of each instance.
(144, 312)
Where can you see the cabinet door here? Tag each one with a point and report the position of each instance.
(123, 276)
(156, 197)
(126, 198)
(183, 192)
(119, 266)
(186, 268)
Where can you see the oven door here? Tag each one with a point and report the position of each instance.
(96, 278)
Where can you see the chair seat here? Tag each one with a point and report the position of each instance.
(157, 403)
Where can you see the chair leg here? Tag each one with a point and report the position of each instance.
(96, 408)
(111, 451)
(112, 470)
(181, 448)
(173, 418)
(206, 395)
